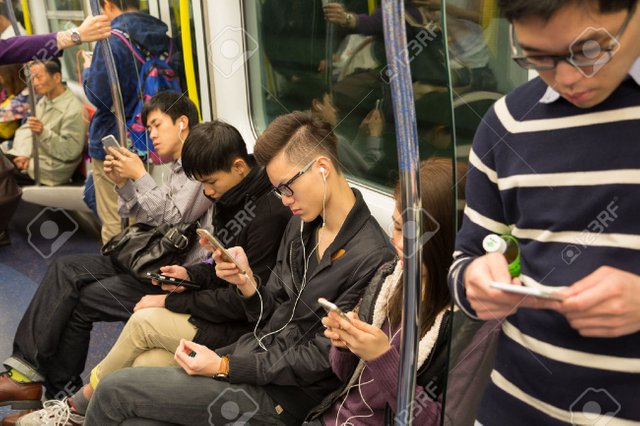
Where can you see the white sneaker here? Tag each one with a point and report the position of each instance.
(54, 413)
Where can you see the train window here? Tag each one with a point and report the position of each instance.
(332, 60)
(62, 15)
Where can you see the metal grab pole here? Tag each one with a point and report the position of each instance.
(32, 99)
(114, 82)
(399, 75)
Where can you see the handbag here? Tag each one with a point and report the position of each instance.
(142, 248)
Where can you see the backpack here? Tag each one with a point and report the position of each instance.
(156, 75)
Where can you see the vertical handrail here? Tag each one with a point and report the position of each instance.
(114, 82)
(329, 46)
(35, 157)
(27, 17)
(187, 48)
(399, 74)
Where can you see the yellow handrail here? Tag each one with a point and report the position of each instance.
(26, 16)
(187, 49)
(372, 6)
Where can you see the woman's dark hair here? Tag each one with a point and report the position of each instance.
(13, 78)
(439, 217)
(545, 9)
(175, 105)
(301, 136)
(212, 147)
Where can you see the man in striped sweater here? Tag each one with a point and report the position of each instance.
(556, 164)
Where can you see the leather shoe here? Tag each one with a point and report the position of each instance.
(11, 419)
(20, 396)
(4, 238)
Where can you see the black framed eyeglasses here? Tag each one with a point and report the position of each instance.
(284, 189)
(588, 54)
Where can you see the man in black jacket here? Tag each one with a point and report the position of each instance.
(276, 373)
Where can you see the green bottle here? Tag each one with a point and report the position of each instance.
(508, 246)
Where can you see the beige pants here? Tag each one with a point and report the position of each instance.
(106, 202)
(149, 339)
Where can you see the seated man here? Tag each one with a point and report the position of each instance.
(61, 133)
(52, 339)
(275, 374)
(247, 215)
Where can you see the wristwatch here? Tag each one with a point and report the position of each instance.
(75, 36)
(223, 370)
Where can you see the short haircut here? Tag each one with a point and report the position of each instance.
(51, 66)
(514, 10)
(123, 4)
(212, 147)
(301, 135)
(175, 105)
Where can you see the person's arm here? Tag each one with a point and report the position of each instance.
(66, 143)
(304, 363)
(384, 371)
(219, 303)
(154, 204)
(44, 46)
(342, 363)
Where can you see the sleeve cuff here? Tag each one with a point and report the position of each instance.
(243, 369)
(459, 291)
(385, 369)
(127, 192)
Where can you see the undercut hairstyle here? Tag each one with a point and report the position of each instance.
(175, 105)
(301, 136)
(514, 10)
(122, 4)
(213, 147)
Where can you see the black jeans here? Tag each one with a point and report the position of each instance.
(78, 290)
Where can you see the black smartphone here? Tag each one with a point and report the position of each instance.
(173, 281)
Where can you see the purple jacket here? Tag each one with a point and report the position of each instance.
(27, 48)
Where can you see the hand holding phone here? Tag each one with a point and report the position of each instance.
(526, 291)
(215, 244)
(332, 307)
(110, 141)
(173, 281)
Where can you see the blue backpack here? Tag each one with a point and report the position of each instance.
(156, 75)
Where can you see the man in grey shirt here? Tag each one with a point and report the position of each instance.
(52, 340)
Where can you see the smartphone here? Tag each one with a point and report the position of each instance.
(173, 281)
(226, 256)
(527, 291)
(110, 141)
(379, 103)
(332, 307)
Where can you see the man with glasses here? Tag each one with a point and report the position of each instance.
(556, 164)
(279, 371)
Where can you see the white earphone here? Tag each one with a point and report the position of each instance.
(181, 125)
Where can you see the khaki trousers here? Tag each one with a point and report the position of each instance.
(106, 202)
(149, 339)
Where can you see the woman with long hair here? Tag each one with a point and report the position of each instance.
(366, 346)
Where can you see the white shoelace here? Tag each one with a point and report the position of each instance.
(56, 413)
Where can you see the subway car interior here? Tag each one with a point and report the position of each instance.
(394, 106)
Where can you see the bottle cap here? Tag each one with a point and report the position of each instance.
(493, 243)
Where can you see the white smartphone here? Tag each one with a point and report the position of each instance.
(110, 141)
(332, 307)
(527, 291)
(226, 256)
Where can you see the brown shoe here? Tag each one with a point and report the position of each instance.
(20, 396)
(11, 419)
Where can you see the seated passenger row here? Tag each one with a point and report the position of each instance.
(254, 323)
